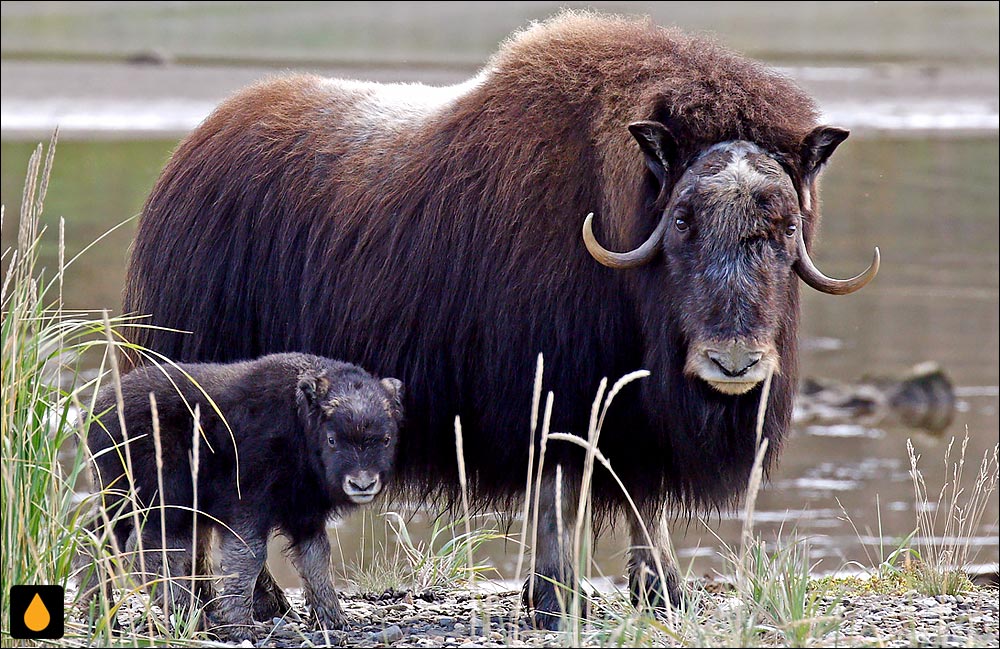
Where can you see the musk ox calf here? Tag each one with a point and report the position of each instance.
(452, 221)
(299, 438)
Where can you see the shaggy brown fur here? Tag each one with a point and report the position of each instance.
(439, 241)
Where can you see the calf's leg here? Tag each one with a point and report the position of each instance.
(269, 599)
(169, 584)
(242, 560)
(311, 556)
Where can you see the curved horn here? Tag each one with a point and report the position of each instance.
(641, 255)
(816, 279)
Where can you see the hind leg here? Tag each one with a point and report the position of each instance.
(205, 584)
(97, 570)
(93, 575)
(269, 599)
(165, 571)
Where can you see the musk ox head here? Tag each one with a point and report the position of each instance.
(731, 234)
(351, 423)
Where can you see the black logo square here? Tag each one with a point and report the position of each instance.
(36, 612)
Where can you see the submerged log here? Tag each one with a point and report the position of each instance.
(923, 398)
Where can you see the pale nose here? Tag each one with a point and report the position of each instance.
(735, 359)
(362, 483)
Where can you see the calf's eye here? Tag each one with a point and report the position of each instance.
(790, 230)
(386, 441)
(332, 440)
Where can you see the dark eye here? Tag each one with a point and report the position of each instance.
(790, 229)
(681, 224)
(332, 440)
(386, 441)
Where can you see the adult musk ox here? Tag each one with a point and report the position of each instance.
(434, 234)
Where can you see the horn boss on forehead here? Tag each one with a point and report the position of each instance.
(657, 144)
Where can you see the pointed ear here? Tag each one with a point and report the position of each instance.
(312, 388)
(818, 146)
(394, 388)
(658, 145)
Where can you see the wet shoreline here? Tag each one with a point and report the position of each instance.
(493, 617)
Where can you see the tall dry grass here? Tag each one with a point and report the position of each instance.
(948, 524)
(50, 532)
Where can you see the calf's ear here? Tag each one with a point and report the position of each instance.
(312, 388)
(394, 389)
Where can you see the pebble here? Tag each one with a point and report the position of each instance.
(327, 638)
(388, 635)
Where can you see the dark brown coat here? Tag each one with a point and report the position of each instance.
(434, 235)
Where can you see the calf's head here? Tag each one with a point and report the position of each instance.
(731, 237)
(352, 424)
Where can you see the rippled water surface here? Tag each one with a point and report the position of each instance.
(919, 178)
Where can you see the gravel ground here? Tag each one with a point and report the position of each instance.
(459, 618)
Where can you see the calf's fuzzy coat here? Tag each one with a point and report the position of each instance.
(285, 441)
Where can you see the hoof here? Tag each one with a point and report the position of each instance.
(269, 601)
(545, 610)
(647, 590)
(331, 619)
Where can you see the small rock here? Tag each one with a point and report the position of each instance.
(246, 643)
(387, 635)
(459, 627)
(446, 621)
(396, 607)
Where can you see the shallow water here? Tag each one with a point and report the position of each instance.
(919, 179)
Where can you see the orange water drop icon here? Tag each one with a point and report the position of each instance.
(37, 617)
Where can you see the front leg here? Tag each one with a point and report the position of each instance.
(653, 584)
(242, 560)
(311, 556)
(548, 593)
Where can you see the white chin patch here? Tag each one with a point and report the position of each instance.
(732, 387)
(362, 499)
